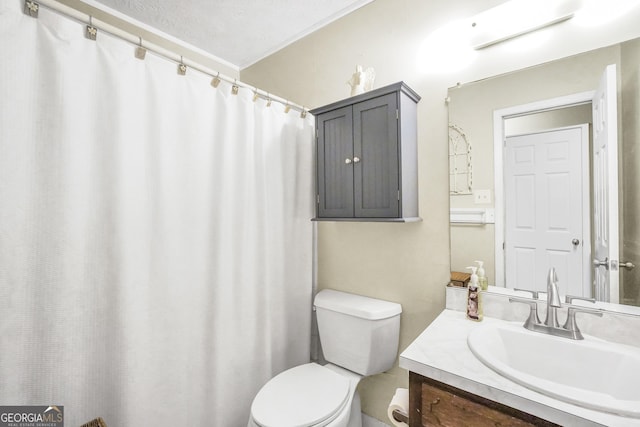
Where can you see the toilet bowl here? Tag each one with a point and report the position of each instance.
(309, 395)
(359, 337)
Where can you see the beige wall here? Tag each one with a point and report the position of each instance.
(406, 263)
(630, 172)
(568, 116)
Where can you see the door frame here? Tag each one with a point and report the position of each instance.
(498, 158)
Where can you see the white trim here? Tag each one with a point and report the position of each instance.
(614, 238)
(610, 81)
(586, 218)
(328, 20)
(498, 158)
(471, 216)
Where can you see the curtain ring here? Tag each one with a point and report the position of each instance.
(140, 50)
(91, 32)
(182, 68)
(216, 80)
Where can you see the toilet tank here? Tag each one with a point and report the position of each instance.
(358, 333)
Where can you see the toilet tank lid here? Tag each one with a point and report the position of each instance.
(356, 305)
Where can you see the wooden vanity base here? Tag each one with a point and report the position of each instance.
(432, 403)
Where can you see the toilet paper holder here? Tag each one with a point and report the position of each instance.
(398, 410)
(400, 416)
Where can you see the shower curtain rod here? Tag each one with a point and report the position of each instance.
(157, 49)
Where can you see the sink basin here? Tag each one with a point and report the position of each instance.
(592, 373)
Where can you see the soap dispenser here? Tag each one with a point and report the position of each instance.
(474, 297)
(482, 278)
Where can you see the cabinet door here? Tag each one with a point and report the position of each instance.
(442, 408)
(432, 403)
(335, 163)
(375, 136)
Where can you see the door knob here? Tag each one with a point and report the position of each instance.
(598, 263)
(356, 160)
(575, 242)
(347, 161)
(628, 265)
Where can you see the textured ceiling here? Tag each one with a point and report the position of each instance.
(240, 32)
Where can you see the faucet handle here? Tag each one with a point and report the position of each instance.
(534, 294)
(569, 299)
(571, 325)
(533, 318)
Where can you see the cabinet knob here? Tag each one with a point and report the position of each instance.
(356, 160)
(347, 161)
(435, 402)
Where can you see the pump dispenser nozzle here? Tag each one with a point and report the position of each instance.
(474, 276)
(482, 277)
(474, 297)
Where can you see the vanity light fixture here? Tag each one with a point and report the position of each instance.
(515, 18)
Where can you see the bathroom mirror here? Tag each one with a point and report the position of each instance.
(478, 221)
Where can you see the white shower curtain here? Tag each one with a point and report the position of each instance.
(155, 242)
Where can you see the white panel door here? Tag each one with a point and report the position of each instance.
(605, 188)
(544, 209)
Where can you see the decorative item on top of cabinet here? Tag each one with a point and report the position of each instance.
(432, 403)
(367, 164)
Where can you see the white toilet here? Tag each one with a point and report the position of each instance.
(359, 337)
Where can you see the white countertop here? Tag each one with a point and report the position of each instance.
(441, 353)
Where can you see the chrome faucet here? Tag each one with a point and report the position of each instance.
(551, 325)
(553, 299)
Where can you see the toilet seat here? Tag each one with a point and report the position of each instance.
(304, 396)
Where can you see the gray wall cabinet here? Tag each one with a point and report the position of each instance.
(367, 165)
